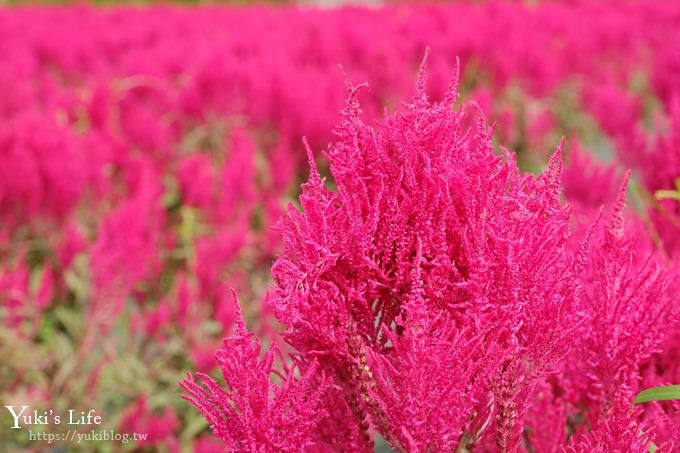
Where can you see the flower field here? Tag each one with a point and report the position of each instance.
(419, 227)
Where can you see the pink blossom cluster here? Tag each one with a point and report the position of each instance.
(443, 299)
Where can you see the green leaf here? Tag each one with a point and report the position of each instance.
(667, 195)
(663, 393)
(194, 427)
(652, 447)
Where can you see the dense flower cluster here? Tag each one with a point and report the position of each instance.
(442, 291)
(430, 289)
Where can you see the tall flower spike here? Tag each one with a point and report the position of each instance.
(616, 226)
(251, 413)
(314, 177)
(452, 94)
(627, 303)
(420, 99)
(620, 431)
(429, 231)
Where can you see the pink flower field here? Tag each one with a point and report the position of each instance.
(436, 227)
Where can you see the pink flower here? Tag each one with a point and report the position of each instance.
(628, 304)
(196, 176)
(126, 251)
(159, 427)
(618, 431)
(252, 413)
(426, 216)
(588, 183)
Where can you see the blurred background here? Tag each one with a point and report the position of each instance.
(147, 153)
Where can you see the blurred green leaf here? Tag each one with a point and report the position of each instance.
(77, 283)
(193, 427)
(71, 320)
(663, 393)
(673, 194)
(667, 195)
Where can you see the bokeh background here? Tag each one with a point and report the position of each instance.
(148, 150)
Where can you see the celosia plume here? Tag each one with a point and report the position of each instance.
(252, 413)
(436, 287)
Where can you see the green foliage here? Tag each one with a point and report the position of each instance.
(663, 393)
(669, 194)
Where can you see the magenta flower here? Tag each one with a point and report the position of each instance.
(618, 431)
(252, 413)
(425, 288)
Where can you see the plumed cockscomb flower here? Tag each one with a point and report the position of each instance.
(588, 183)
(253, 413)
(425, 210)
(545, 428)
(129, 244)
(619, 431)
(660, 168)
(160, 427)
(42, 170)
(430, 393)
(628, 304)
